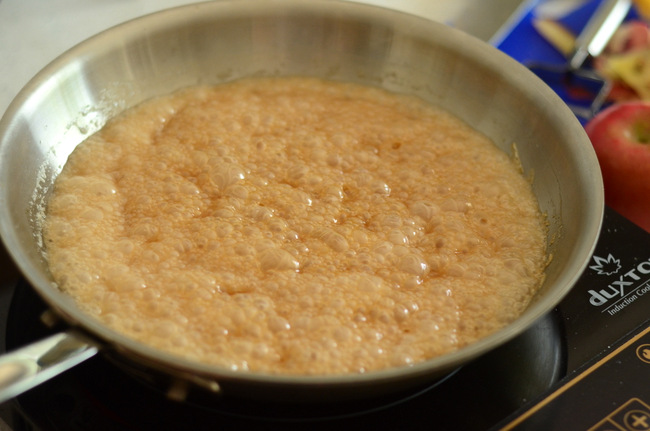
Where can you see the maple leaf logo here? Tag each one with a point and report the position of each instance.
(607, 266)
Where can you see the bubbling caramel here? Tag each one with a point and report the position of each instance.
(295, 226)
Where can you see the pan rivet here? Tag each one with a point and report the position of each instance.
(50, 318)
(178, 390)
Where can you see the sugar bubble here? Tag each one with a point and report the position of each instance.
(277, 258)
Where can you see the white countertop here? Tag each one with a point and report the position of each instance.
(35, 32)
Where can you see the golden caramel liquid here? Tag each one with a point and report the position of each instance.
(295, 226)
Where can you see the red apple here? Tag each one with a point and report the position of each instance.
(620, 135)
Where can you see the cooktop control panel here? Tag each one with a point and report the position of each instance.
(607, 333)
(611, 394)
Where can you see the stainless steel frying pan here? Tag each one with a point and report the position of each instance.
(219, 41)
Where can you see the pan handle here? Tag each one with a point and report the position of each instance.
(31, 365)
